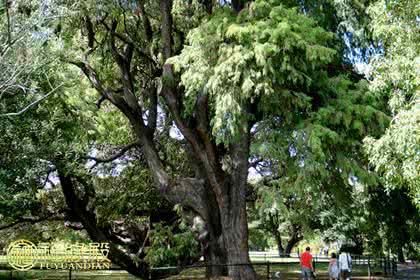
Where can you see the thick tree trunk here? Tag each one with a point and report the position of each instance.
(400, 254)
(215, 253)
(294, 239)
(215, 257)
(232, 207)
(235, 235)
(279, 243)
(290, 245)
(228, 191)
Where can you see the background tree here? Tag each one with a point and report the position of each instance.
(284, 213)
(63, 130)
(395, 217)
(24, 30)
(395, 155)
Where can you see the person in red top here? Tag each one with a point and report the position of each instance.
(306, 264)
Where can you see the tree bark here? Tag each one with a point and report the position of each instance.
(233, 209)
(235, 235)
(290, 245)
(238, 5)
(280, 247)
(294, 239)
(400, 255)
(215, 252)
(215, 257)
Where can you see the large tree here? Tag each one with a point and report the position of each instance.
(216, 74)
(241, 66)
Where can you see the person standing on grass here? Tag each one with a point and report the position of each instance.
(306, 264)
(333, 267)
(344, 263)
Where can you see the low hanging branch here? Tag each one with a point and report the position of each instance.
(96, 232)
(36, 102)
(32, 220)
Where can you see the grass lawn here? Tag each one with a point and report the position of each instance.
(284, 270)
(287, 271)
(289, 268)
(63, 275)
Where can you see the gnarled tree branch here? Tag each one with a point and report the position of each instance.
(121, 152)
(203, 150)
(36, 102)
(96, 233)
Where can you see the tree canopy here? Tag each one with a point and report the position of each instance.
(129, 120)
(395, 76)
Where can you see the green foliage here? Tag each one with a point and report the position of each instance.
(269, 53)
(341, 16)
(282, 210)
(258, 239)
(30, 143)
(269, 64)
(187, 14)
(396, 155)
(169, 248)
(135, 195)
(21, 48)
(46, 231)
(64, 125)
(67, 126)
(349, 222)
(323, 151)
(395, 219)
